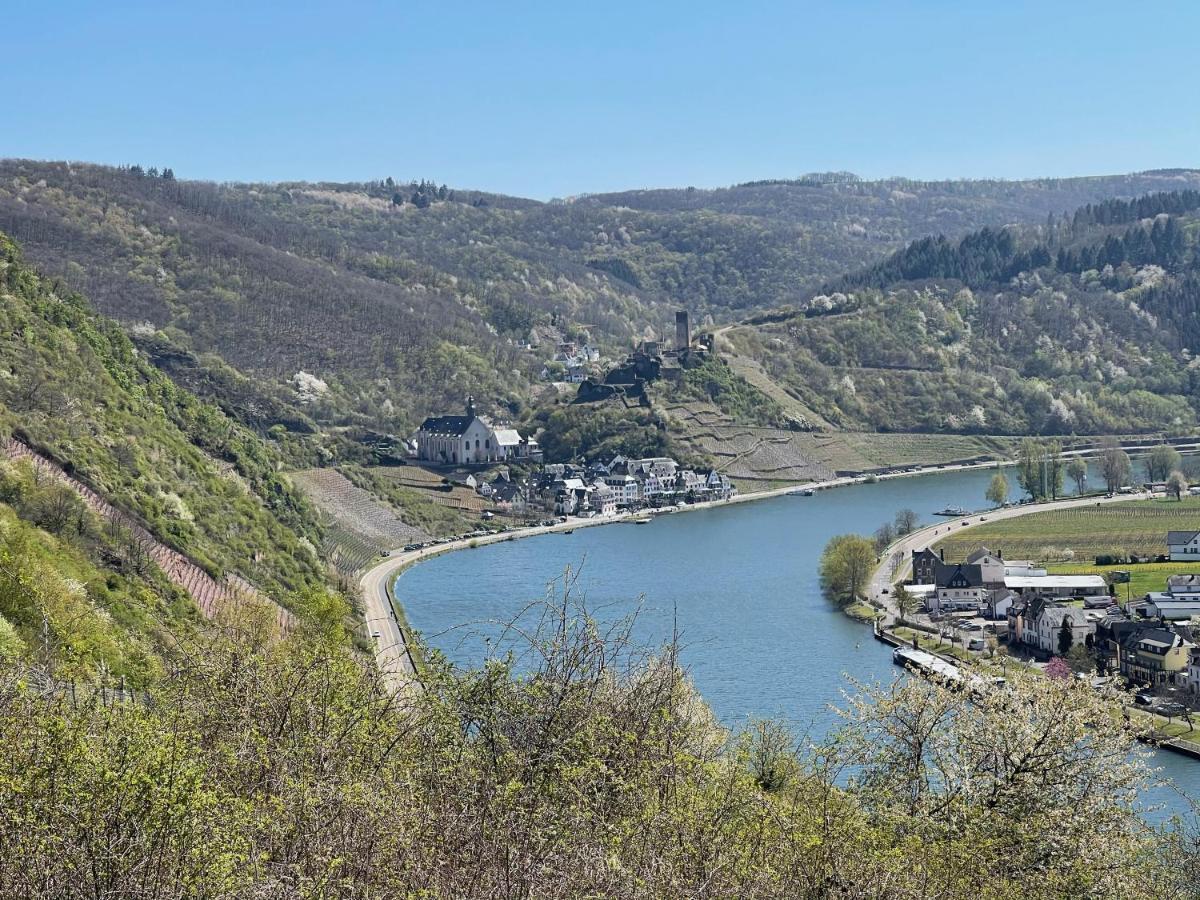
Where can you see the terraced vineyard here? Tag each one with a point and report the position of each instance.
(1139, 526)
(360, 527)
(772, 455)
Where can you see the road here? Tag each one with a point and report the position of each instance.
(884, 576)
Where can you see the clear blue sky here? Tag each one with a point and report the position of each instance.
(560, 98)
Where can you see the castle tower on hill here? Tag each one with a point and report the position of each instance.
(683, 332)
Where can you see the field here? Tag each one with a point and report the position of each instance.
(1080, 534)
(1143, 577)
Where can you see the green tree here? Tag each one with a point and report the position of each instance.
(846, 565)
(1177, 485)
(997, 492)
(1162, 461)
(906, 603)
(1077, 471)
(1066, 637)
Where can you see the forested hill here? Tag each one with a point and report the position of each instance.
(369, 304)
(1087, 324)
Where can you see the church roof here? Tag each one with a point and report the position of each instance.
(447, 424)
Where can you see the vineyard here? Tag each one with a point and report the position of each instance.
(773, 455)
(359, 527)
(1080, 533)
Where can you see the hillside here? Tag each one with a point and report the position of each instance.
(158, 506)
(1086, 325)
(369, 304)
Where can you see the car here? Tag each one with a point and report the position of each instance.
(409, 548)
(976, 643)
(1143, 699)
(376, 635)
(1170, 709)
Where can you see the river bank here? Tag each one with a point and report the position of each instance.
(387, 618)
(388, 621)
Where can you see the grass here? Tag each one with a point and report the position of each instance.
(862, 611)
(1081, 533)
(1144, 577)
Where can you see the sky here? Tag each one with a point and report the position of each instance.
(557, 99)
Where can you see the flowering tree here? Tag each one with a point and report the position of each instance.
(1058, 668)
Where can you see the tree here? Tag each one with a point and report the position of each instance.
(1029, 475)
(1114, 467)
(1066, 637)
(997, 491)
(1058, 669)
(1077, 471)
(846, 565)
(906, 522)
(1177, 485)
(906, 603)
(884, 535)
(1054, 467)
(1162, 461)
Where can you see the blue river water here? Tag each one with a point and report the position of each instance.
(738, 582)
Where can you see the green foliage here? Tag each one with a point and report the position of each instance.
(997, 492)
(602, 430)
(268, 767)
(75, 387)
(713, 380)
(1161, 461)
(846, 565)
(59, 608)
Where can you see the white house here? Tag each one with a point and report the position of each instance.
(1184, 545)
(1193, 670)
(1048, 626)
(625, 489)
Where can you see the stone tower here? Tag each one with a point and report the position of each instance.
(470, 407)
(683, 334)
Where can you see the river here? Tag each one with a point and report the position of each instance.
(739, 582)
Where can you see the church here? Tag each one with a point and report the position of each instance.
(470, 439)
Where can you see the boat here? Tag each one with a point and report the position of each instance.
(801, 492)
(953, 512)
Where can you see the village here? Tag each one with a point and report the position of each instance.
(1069, 623)
(507, 470)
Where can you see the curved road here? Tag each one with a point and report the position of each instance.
(391, 649)
(885, 575)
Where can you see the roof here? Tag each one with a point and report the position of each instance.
(1054, 616)
(1181, 537)
(447, 424)
(507, 437)
(972, 575)
(1054, 581)
(1174, 582)
(981, 554)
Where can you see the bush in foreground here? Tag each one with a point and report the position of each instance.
(576, 767)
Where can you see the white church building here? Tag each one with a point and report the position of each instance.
(470, 440)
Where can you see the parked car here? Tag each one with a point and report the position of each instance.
(1143, 699)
